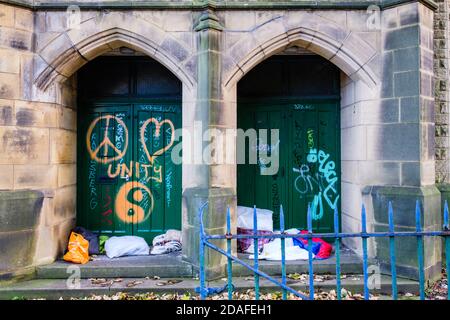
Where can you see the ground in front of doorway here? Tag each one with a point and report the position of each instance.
(185, 288)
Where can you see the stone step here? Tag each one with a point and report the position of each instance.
(58, 288)
(164, 266)
(172, 265)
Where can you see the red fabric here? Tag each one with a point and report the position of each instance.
(325, 248)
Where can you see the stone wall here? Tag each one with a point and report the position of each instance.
(441, 93)
(38, 152)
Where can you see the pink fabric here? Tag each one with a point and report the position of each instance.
(244, 244)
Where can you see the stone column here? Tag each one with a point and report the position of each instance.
(409, 140)
(208, 188)
(442, 99)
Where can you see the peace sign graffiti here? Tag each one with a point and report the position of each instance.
(106, 142)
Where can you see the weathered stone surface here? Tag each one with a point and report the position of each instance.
(9, 86)
(35, 176)
(24, 145)
(67, 174)
(28, 114)
(16, 250)
(9, 61)
(19, 210)
(410, 109)
(401, 38)
(403, 201)
(6, 112)
(387, 142)
(65, 203)
(406, 59)
(24, 19)
(16, 39)
(406, 83)
(62, 146)
(380, 173)
(6, 177)
(214, 218)
(7, 15)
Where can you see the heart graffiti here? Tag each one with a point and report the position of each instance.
(158, 125)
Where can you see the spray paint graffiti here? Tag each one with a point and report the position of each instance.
(92, 173)
(134, 200)
(94, 151)
(157, 133)
(323, 182)
(128, 202)
(106, 209)
(168, 180)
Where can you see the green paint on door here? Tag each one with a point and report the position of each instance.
(309, 162)
(127, 181)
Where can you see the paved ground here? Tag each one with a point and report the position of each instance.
(169, 276)
(57, 288)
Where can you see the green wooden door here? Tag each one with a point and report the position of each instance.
(156, 125)
(309, 162)
(128, 184)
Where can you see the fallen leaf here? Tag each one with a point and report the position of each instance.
(133, 283)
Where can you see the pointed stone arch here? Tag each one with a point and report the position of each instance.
(342, 47)
(70, 50)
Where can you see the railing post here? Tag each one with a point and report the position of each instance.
(202, 254)
(337, 245)
(230, 262)
(310, 257)
(420, 252)
(392, 251)
(283, 254)
(447, 247)
(255, 251)
(364, 248)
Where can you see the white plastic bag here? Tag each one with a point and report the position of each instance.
(272, 251)
(245, 218)
(126, 246)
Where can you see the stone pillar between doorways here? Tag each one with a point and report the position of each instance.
(209, 184)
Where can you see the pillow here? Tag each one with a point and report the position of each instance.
(126, 246)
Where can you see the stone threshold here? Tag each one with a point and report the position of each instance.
(172, 265)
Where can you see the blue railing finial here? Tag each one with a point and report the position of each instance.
(309, 218)
(363, 219)
(418, 217)
(446, 226)
(390, 217)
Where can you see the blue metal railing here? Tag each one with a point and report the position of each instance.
(419, 234)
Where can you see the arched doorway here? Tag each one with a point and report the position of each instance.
(300, 96)
(128, 110)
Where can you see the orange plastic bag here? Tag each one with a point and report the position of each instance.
(77, 249)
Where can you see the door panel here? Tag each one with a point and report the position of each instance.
(309, 163)
(104, 148)
(128, 183)
(156, 125)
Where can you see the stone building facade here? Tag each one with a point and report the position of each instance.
(392, 59)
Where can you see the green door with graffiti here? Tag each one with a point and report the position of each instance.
(128, 183)
(308, 151)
